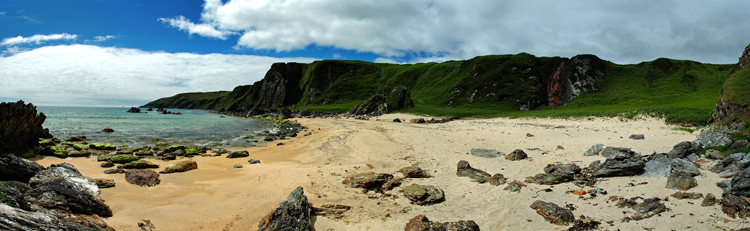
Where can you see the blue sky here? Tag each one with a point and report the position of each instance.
(129, 52)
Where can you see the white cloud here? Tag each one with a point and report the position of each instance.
(108, 76)
(102, 38)
(385, 60)
(204, 30)
(37, 39)
(622, 31)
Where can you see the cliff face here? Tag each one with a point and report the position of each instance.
(573, 77)
(733, 108)
(20, 128)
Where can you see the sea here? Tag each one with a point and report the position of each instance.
(193, 127)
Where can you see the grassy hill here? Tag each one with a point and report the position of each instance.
(486, 86)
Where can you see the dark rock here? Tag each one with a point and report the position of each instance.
(687, 195)
(16, 168)
(740, 184)
(77, 139)
(681, 181)
(102, 146)
(594, 150)
(421, 223)
(517, 154)
(681, 165)
(104, 183)
(612, 151)
(253, 161)
(139, 164)
(552, 213)
(385, 102)
(710, 200)
(141, 177)
(115, 171)
(108, 130)
(497, 180)
(238, 166)
(735, 206)
(571, 78)
(637, 137)
(424, 194)
(731, 165)
(397, 120)
(107, 165)
(595, 164)
(621, 164)
(555, 174)
(367, 180)
(738, 145)
(663, 167)
(414, 172)
(169, 157)
(562, 168)
(238, 154)
(182, 166)
(134, 110)
(13, 194)
(648, 208)
(684, 149)
(19, 219)
(291, 214)
(487, 153)
(529, 135)
(62, 189)
(465, 170)
(20, 128)
(725, 185)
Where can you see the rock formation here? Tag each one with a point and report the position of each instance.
(385, 102)
(291, 214)
(572, 78)
(732, 112)
(20, 128)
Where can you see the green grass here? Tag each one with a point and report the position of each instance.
(4, 200)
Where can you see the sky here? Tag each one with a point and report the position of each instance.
(130, 52)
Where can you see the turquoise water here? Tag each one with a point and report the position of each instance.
(193, 127)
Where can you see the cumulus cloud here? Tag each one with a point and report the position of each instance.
(102, 38)
(109, 76)
(622, 31)
(204, 30)
(37, 39)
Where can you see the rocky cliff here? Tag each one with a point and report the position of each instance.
(733, 108)
(20, 128)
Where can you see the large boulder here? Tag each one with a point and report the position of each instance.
(13, 192)
(141, 177)
(18, 219)
(182, 166)
(424, 194)
(291, 214)
(421, 223)
(465, 170)
(385, 102)
(21, 128)
(552, 213)
(684, 149)
(62, 189)
(621, 164)
(19, 169)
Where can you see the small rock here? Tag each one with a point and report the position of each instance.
(421, 223)
(517, 154)
(487, 153)
(687, 195)
(681, 180)
(514, 186)
(648, 208)
(367, 180)
(104, 183)
(414, 172)
(114, 171)
(397, 120)
(710, 200)
(552, 213)
(497, 180)
(424, 194)
(465, 170)
(238, 166)
(238, 154)
(140, 177)
(560, 147)
(529, 135)
(253, 161)
(594, 150)
(637, 137)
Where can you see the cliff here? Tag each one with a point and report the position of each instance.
(733, 108)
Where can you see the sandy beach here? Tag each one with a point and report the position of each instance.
(217, 196)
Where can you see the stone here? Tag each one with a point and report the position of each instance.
(102, 146)
(13, 192)
(334, 210)
(367, 180)
(392, 183)
(594, 150)
(648, 208)
(731, 165)
(238, 166)
(497, 180)
(62, 189)
(134, 110)
(253, 161)
(514, 186)
(291, 214)
(684, 149)
(736, 145)
(687, 195)
(621, 164)
(421, 223)
(18, 169)
(139, 164)
(709, 200)
(555, 174)
(595, 164)
(182, 166)
(487, 153)
(692, 157)
(424, 194)
(77, 139)
(108, 130)
(238, 154)
(517, 154)
(19, 219)
(740, 184)
(465, 170)
(529, 135)
(637, 137)
(612, 151)
(141, 177)
(397, 120)
(414, 172)
(115, 171)
(715, 154)
(20, 128)
(735, 206)
(107, 165)
(681, 165)
(104, 183)
(174, 148)
(562, 168)
(552, 213)
(681, 181)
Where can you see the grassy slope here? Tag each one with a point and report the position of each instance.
(200, 100)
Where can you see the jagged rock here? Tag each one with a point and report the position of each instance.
(735, 206)
(612, 151)
(134, 110)
(20, 128)
(421, 223)
(291, 214)
(517, 154)
(424, 194)
(367, 180)
(684, 149)
(497, 180)
(19, 169)
(731, 165)
(488, 153)
(648, 208)
(594, 150)
(663, 167)
(385, 102)
(62, 189)
(19, 219)
(140, 177)
(621, 164)
(637, 137)
(414, 172)
(14, 191)
(552, 213)
(253, 161)
(555, 174)
(238, 154)
(182, 166)
(681, 181)
(709, 200)
(465, 170)
(139, 164)
(104, 183)
(687, 195)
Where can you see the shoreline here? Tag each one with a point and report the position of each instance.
(217, 195)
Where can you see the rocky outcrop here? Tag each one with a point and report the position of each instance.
(385, 102)
(62, 189)
(421, 223)
(18, 219)
(621, 164)
(291, 214)
(18, 169)
(20, 128)
(573, 77)
(730, 112)
(134, 110)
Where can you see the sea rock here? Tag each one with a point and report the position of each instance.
(465, 170)
(253, 161)
(55, 151)
(421, 223)
(709, 200)
(102, 146)
(681, 181)
(291, 214)
(104, 183)
(62, 189)
(552, 213)
(637, 137)
(414, 172)
(139, 164)
(182, 166)
(424, 194)
(18, 169)
(77, 139)
(684, 149)
(174, 148)
(594, 150)
(108, 130)
(140, 177)
(497, 180)
(621, 164)
(487, 153)
(20, 128)
(238, 154)
(367, 180)
(134, 110)
(13, 192)
(517, 154)
(19, 219)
